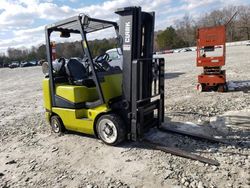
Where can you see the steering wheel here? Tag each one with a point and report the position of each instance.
(102, 57)
(96, 66)
(102, 61)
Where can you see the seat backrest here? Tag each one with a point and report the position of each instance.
(76, 70)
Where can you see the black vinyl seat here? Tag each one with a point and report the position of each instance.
(78, 74)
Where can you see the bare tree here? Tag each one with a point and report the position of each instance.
(221, 17)
(215, 18)
(244, 21)
(186, 29)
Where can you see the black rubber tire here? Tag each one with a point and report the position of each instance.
(61, 128)
(225, 88)
(221, 88)
(120, 127)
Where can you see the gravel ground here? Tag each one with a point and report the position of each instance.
(32, 156)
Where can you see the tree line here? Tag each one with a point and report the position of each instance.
(181, 34)
(66, 50)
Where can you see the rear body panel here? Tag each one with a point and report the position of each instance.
(81, 120)
(76, 94)
(46, 94)
(210, 61)
(212, 80)
(111, 87)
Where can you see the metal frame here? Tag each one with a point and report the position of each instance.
(143, 81)
(141, 106)
(213, 76)
(75, 25)
(211, 37)
(137, 29)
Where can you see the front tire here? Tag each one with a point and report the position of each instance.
(57, 124)
(111, 129)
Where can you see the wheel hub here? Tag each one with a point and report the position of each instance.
(107, 131)
(55, 125)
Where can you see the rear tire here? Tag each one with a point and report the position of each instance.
(225, 88)
(222, 88)
(111, 129)
(57, 124)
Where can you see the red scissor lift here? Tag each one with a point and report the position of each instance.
(209, 41)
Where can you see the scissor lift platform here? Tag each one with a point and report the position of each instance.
(211, 51)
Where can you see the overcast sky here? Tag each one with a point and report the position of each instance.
(22, 21)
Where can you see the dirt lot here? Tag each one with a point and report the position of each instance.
(31, 156)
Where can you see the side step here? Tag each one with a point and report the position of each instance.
(179, 152)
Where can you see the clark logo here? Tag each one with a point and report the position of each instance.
(127, 32)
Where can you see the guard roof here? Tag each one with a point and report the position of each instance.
(89, 24)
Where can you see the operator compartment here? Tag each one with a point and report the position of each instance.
(81, 78)
(78, 86)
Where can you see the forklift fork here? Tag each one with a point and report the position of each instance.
(146, 106)
(179, 152)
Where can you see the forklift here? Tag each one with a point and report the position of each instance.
(111, 103)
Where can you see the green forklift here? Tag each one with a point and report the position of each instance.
(111, 103)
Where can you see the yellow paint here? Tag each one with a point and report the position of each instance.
(47, 116)
(92, 113)
(82, 120)
(46, 94)
(84, 44)
(76, 94)
(111, 88)
(74, 119)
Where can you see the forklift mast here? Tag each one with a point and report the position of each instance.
(137, 30)
(140, 71)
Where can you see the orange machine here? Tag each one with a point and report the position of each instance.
(211, 51)
(53, 48)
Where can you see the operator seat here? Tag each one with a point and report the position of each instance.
(78, 74)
